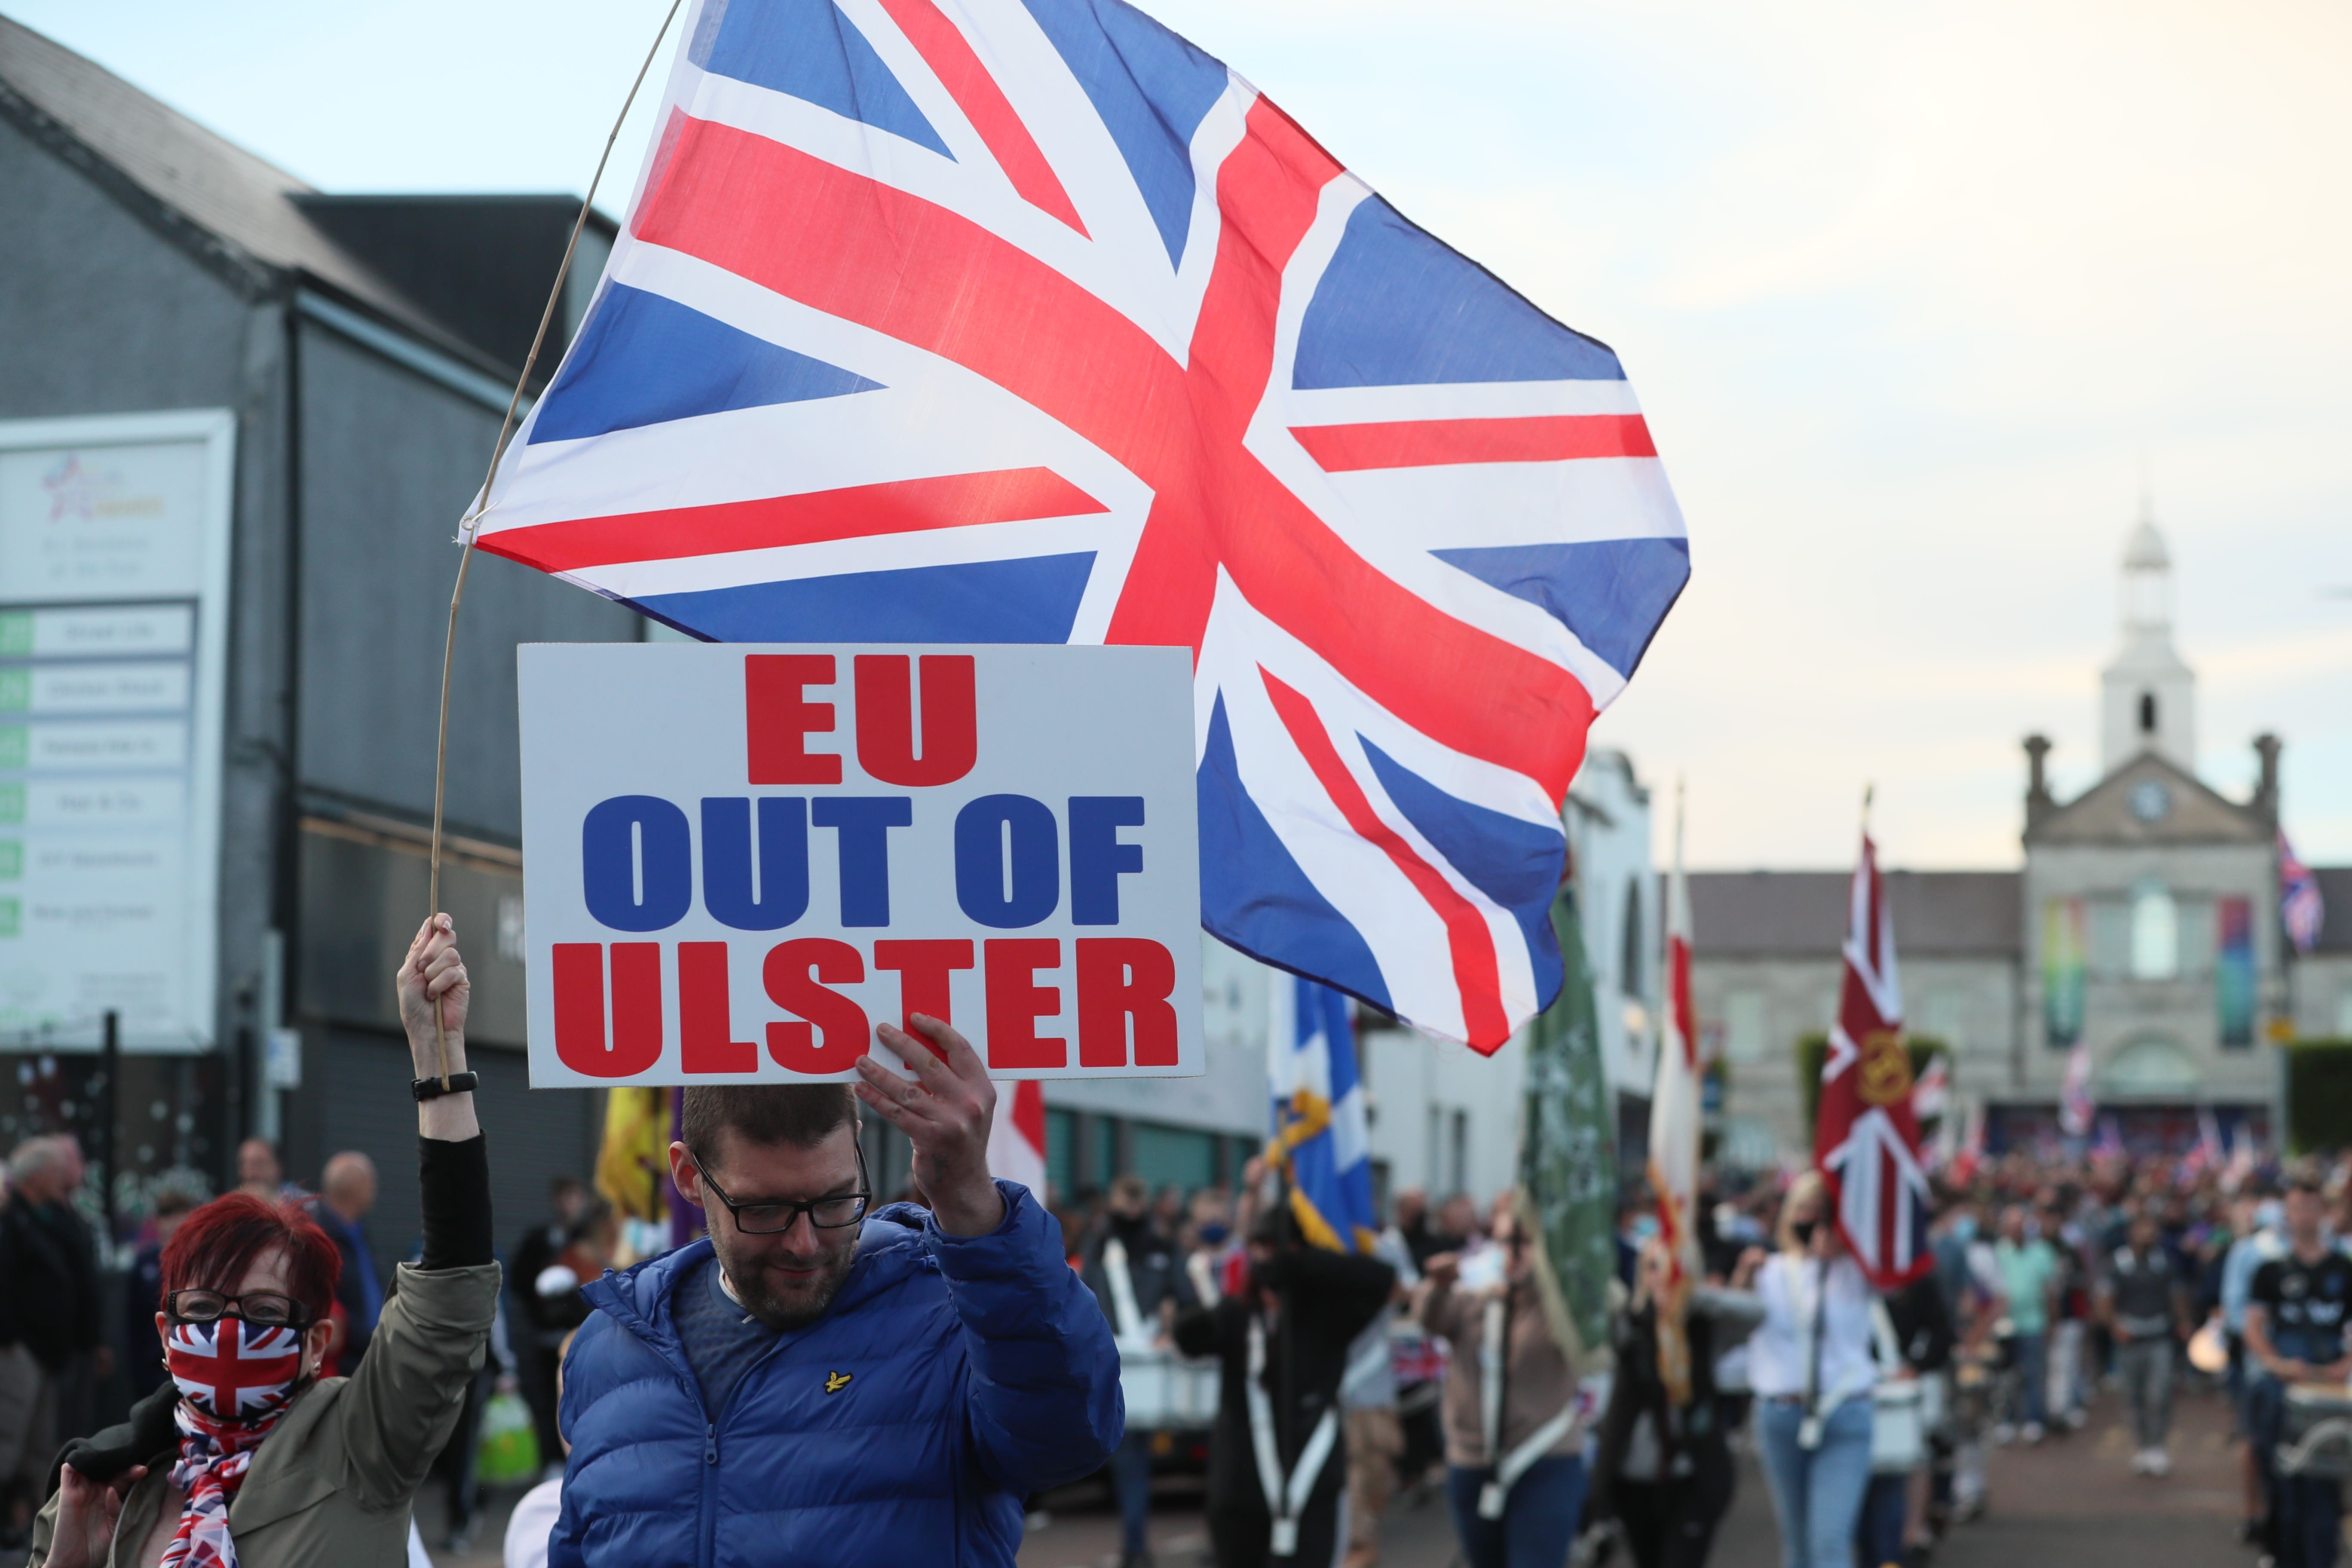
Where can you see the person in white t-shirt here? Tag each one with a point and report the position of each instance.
(1810, 1363)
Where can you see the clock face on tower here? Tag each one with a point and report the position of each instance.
(2150, 801)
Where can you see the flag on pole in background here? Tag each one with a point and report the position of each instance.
(1933, 1093)
(1865, 1133)
(2301, 909)
(1677, 1118)
(1970, 1158)
(1025, 321)
(1568, 1156)
(2110, 1141)
(633, 1160)
(1319, 1143)
(2075, 1105)
(1016, 1140)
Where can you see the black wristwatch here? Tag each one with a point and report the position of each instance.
(459, 1083)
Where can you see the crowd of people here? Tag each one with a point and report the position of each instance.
(704, 1395)
(1870, 1414)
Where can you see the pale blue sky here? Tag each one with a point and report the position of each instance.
(1918, 298)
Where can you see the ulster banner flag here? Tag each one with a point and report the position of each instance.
(1866, 1135)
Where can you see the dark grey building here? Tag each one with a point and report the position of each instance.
(363, 349)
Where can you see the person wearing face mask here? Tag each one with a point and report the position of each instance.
(1514, 1442)
(1664, 1472)
(1132, 1268)
(1277, 1457)
(250, 1457)
(1810, 1363)
(817, 1382)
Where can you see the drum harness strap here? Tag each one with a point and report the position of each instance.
(1284, 1500)
(1492, 1333)
(1122, 1291)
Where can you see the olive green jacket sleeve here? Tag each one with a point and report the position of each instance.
(399, 1407)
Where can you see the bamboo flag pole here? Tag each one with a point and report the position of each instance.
(471, 525)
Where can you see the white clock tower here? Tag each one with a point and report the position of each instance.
(2149, 696)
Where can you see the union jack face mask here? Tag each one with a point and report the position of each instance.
(234, 1372)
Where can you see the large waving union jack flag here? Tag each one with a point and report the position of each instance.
(1024, 320)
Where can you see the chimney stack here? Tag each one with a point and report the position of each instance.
(2266, 789)
(2038, 802)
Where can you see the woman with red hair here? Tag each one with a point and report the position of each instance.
(249, 1457)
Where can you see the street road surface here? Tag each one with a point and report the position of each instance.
(2070, 1501)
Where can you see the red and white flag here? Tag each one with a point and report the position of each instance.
(2076, 1106)
(1016, 1140)
(1867, 1133)
(1675, 1118)
(1933, 1093)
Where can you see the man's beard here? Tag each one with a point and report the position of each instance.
(780, 1303)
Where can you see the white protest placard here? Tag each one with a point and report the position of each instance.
(739, 858)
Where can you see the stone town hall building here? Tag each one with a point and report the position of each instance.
(2144, 923)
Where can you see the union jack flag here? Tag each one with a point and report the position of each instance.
(1025, 321)
(2300, 908)
(1866, 1132)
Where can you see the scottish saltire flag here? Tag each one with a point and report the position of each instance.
(1024, 320)
(2301, 910)
(1320, 1142)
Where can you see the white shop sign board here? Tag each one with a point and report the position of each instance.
(114, 547)
(739, 857)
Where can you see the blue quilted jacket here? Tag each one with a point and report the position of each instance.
(951, 1376)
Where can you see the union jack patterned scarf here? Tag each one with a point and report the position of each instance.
(236, 1379)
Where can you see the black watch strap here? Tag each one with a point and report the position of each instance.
(459, 1083)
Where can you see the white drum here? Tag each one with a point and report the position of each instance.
(1166, 1392)
(1898, 1428)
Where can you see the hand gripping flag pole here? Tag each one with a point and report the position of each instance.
(468, 525)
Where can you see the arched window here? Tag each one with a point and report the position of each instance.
(2155, 932)
(1630, 946)
(2147, 712)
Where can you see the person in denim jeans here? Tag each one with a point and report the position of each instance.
(1810, 1363)
(2029, 1279)
(2296, 1316)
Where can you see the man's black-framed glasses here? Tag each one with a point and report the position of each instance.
(263, 1309)
(837, 1213)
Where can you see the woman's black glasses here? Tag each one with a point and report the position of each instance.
(264, 1308)
(773, 1219)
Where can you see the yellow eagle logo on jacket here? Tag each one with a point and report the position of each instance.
(834, 1381)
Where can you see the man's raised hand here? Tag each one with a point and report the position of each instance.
(945, 1113)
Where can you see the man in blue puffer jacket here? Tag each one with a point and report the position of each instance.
(811, 1385)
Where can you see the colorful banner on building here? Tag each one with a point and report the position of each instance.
(2063, 971)
(2234, 971)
